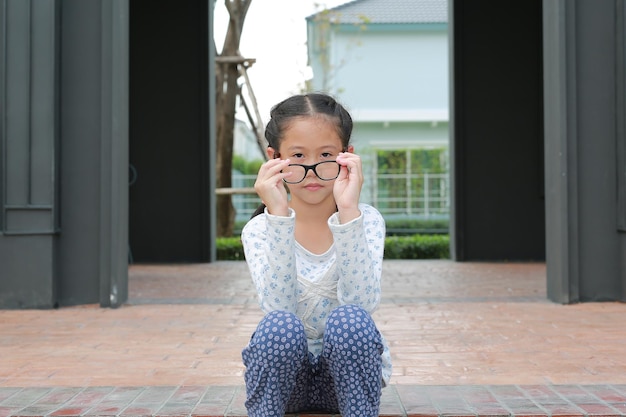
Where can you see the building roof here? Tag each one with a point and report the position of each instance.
(392, 11)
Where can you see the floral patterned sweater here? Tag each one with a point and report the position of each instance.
(288, 277)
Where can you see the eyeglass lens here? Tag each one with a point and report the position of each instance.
(326, 171)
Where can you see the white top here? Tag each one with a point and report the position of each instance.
(288, 277)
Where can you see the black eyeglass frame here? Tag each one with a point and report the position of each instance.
(314, 169)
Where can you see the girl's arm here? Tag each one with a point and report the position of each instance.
(269, 247)
(360, 246)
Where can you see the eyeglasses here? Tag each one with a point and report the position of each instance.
(325, 171)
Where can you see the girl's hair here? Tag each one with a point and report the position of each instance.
(306, 105)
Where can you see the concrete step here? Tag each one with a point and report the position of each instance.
(397, 400)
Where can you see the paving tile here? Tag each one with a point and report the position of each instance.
(607, 394)
(8, 411)
(550, 400)
(482, 402)
(26, 396)
(7, 392)
(415, 400)
(216, 401)
(390, 405)
(116, 401)
(600, 410)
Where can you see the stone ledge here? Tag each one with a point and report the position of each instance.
(397, 401)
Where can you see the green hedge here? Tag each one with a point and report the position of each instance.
(396, 247)
(417, 247)
(407, 227)
(229, 249)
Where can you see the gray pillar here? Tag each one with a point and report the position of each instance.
(585, 246)
(621, 139)
(113, 262)
(92, 258)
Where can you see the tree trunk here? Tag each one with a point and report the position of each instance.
(227, 91)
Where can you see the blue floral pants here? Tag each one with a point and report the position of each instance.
(282, 376)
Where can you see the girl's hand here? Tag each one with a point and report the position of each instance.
(270, 187)
(347, 188)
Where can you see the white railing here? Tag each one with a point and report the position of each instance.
(413, 195)
(245, 203)
(422, 195)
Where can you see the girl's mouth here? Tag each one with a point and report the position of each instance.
(312, 187)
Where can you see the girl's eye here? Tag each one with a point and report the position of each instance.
(326, 155)
(297, 155)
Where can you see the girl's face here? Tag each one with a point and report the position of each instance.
(307, 141)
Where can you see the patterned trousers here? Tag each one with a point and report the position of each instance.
(282, 376)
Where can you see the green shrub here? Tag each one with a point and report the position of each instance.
(417, 247)
(245, 166)
(229, 249)
(396, 247)
(399, 227)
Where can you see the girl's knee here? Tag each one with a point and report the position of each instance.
(281, 323)
(352, 328)
(280, 333)
(349, 318)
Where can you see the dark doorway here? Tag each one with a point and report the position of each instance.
(169, 217)
(497, 131)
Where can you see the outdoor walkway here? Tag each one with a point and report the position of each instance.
(467, 339)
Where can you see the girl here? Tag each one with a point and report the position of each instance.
(316, 261)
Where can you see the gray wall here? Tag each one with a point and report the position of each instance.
(584, 130)
(64, 153)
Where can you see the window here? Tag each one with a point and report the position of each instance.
(412, 182)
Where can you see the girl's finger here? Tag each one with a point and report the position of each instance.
(273, 167)
(351, 162)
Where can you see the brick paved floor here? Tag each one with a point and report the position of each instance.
(466, 339)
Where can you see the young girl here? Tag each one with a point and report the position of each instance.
(316, 260)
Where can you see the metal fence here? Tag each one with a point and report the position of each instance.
(413, 195)
(245, 204)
